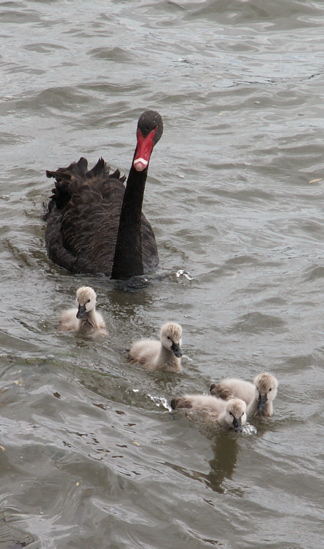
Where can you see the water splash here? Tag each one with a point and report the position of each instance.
(185, 274)
(248, 430)
(161, 402)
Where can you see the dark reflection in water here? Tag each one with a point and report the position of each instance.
(12, 536)
(226, 450)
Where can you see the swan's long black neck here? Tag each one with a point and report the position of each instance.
(128, 259)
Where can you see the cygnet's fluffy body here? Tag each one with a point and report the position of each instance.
(84, 318)
(164, 355)
(259, 395)
(229, 414)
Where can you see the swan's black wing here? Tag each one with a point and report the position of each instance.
(83, 219)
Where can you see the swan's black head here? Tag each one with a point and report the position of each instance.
(149, 131)
(150, 121)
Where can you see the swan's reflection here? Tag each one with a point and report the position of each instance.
(226, 449)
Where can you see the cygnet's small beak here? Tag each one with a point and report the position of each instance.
(81, 311)
(262, 402)
(176, 349)
(237, 425)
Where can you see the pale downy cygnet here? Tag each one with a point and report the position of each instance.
(229, 414)
(259, 395)
(83, 319)
(162, 355)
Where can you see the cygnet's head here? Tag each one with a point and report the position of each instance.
(171, 338)
(85, 300)
(235, 414)
(266, 387)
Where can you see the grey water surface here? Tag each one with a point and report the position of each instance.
(91, 457)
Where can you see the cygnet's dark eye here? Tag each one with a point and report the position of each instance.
(270, 389)
(88, 300)
(168, 337)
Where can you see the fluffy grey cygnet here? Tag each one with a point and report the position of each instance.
(164, 355)
(84, 318)
(229, 414)
(259, 395)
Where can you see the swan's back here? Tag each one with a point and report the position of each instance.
(68, 321)
(234, 387)
(145, 352)
(200, 403)
(83, 219)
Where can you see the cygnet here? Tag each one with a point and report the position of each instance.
(84, 319)
(163, 355)
(259, 395)
(229, 414)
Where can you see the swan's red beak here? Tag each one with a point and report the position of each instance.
(143, 150)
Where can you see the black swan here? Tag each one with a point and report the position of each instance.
(95, 225)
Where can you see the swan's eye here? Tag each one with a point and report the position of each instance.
(88, 300)
(270, 389)
(168, 337)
